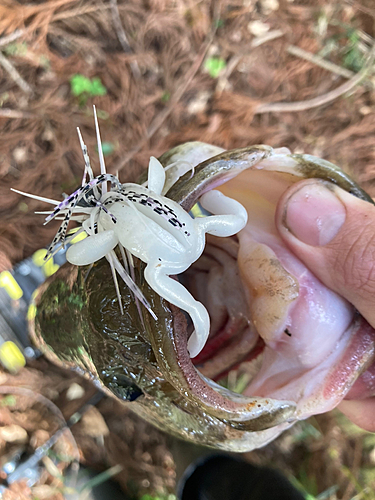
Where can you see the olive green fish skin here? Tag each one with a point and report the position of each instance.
(78, 321)
(77, 326)
(213, 399)
(220, 168)
(215, 171)
(309, 167)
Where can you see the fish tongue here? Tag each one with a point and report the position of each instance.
(269, 287)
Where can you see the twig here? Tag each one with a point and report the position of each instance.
(267, 37)
(10, 38)
(8, 66)
(288, 107)
(13, 113)
(80, 11)
(319, 61)
(123, 39)
(160, 119)
(67, 14)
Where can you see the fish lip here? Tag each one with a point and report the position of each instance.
(187, 190)
(235, 410)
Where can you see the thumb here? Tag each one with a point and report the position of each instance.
(333, 233)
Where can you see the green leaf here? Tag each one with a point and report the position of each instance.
(97, 88)
(214, 66)
(101, 478)
(3, 98)
(354, 60)
(107, 147)
(149, 497)
(45, 62)
(16, 49)
(353, 37)
(166, 96)
(8, 400)
(80, 84)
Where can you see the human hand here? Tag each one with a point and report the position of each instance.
(333, 233)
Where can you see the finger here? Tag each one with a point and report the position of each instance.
(361, 413)
(333, 233)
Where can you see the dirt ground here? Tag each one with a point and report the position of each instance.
(163, 72)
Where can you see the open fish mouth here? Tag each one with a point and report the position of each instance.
(300, 345)
(271, 318)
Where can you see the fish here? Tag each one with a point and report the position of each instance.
(300, 345)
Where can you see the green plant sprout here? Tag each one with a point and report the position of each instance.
(16, 49)
(107, 147)
(166, 96)
(101, 478)
(348, 45)
(8, 400)
(214, 66)
(83, 87)
(353, 57)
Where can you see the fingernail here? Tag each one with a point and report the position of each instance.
(314, 214)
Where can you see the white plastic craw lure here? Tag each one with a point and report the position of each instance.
(149, 226)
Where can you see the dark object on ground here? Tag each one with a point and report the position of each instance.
(222, 477)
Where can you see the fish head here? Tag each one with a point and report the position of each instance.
(295, 347)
